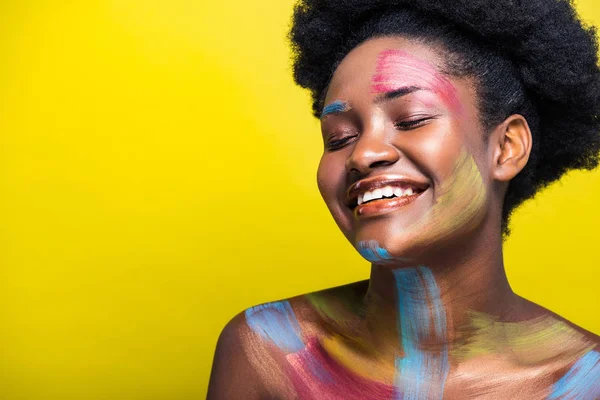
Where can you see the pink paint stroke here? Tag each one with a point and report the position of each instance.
(317, 376)
(397, 69)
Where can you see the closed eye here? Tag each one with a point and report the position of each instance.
(338, 144)
(412, 124)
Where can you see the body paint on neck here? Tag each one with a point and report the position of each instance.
(336, 107)
(398, 69)
(277, 323)
(420, 374)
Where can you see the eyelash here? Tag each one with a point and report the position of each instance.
(402, 125)
(407, 125)
(338, 144)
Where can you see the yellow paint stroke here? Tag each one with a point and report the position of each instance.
(461, 201)
(532, 342)
(374, 369)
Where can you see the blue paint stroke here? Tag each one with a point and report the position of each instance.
(276, 322)
(420, 374)
(336, 107)
(372, 252)
(582, 381)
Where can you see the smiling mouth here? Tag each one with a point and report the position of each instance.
(385, 204)
(383, 193)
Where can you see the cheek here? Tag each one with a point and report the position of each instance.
(462, 198)
(323, 179)
(331, 180)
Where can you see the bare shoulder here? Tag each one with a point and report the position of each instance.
(232, 375)
(251, 356)
(590, 337)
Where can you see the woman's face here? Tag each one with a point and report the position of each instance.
(404, 141)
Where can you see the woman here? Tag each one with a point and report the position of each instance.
(438, 118)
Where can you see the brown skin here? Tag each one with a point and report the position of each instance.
(465, 258)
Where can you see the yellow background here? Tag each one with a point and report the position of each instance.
(157, 176)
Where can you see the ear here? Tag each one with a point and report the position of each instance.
(511, 142)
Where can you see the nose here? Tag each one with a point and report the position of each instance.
(371, 150)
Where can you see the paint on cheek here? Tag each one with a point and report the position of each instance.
(582, 381)
(461, 201)
(336, 107)
(420, 374)
(277, 323)
(397, 69)
(372, 251)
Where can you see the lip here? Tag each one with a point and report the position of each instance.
(379, 182)
(383, 206)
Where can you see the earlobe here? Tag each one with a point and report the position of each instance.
(513, 147)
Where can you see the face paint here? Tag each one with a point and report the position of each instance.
(277, 323)
(420, 374)
(460, 204)
(336, 107)
(372, 251)
(459, 209)
(398, 69)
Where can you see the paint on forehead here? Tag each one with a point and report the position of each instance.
(582, 381)
(420, 374)
(277, 323)
(397, 69)
(372, 251)
(336, 107)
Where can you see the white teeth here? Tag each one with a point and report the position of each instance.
(387, 191)
(377, 194)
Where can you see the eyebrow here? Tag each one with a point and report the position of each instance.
(336, 107)
(394, 94)
(339, 106)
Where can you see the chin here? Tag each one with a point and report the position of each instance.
(393, 242)
(382, 248)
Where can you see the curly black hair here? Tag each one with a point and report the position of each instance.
(530, 57)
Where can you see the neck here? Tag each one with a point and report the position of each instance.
(432, 299)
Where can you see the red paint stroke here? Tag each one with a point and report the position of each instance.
(398, 69)
(317, 376)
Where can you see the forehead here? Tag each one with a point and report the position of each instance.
(379, 63)
(385, 65)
